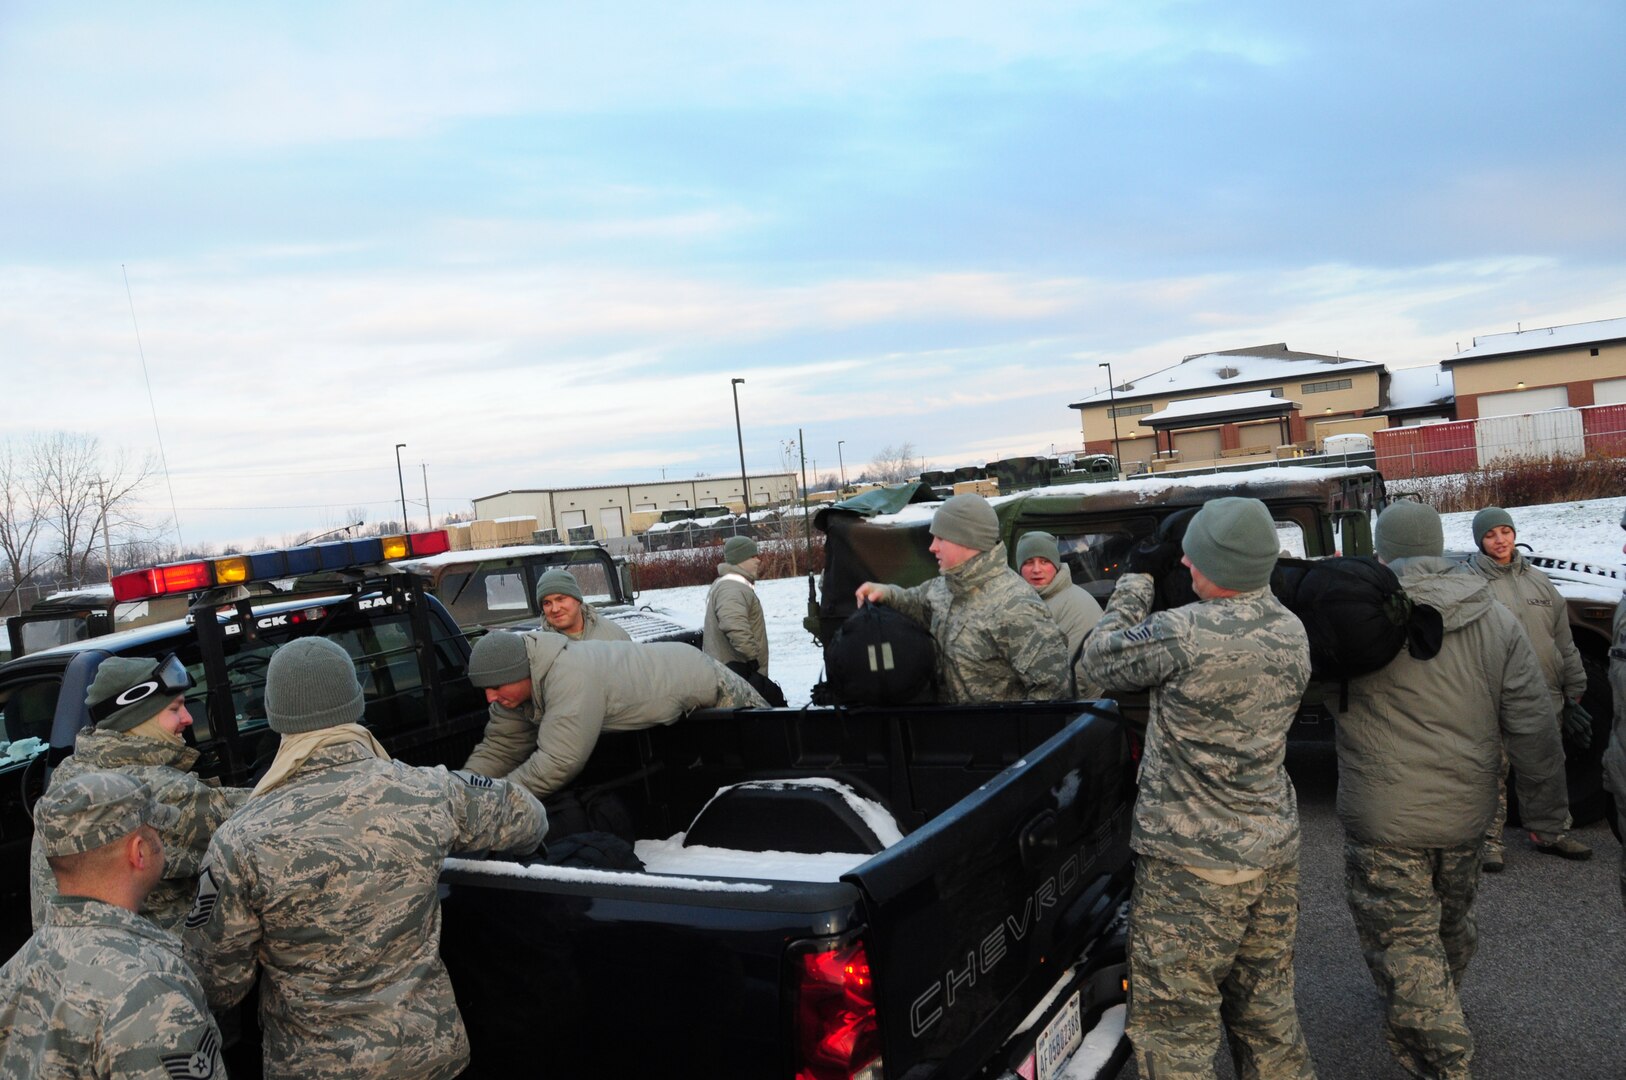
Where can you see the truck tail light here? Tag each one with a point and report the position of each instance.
(837, 1034)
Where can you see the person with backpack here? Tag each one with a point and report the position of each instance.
(995, 639)
(1419, 754)
(1216, 828)
(1525, 591)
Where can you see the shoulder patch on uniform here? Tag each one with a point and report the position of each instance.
(204, 906)
(473, 779)
(1142, 632)
(197, 1065)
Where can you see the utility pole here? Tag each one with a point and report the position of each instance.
(398, 448)
(107, 543)
(429, 519)
(745, 483)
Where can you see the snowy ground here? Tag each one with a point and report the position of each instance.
(1587, 531)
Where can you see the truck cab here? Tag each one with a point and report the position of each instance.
(489, 588)
(410, 656)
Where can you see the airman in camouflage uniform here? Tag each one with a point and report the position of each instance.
(1614, 756)
(142, 739)
(996, 640)
(551, 698)
(327, 881)
(1419, 754)
(1215, 905)
(564, 611)
(100, 991)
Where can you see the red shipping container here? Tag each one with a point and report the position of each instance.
(1427, 450)
(1605, 429)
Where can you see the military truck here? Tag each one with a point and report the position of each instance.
(496, 587)
(1318, 511)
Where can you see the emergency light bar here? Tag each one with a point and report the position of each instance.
(189, 577)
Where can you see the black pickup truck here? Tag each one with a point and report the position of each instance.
(778, 931)
(927, 891)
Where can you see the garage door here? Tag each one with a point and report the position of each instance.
(1523, 401)
(1609, 392)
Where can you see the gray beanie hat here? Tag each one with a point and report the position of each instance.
(498, 659)
(1038, 545)
(1233, 542)
(116, 675)
(557, 583)
(736, 549)
(967, 520)
(1408, 529)
(311, 684)
(1487, 519)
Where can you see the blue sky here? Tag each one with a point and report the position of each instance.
(534, 243)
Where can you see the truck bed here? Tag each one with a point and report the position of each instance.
(1010, 861)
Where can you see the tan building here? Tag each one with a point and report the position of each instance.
(1191, 413)
(620, 510)
(1547, 368)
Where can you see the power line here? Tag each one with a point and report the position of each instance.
(153, 405)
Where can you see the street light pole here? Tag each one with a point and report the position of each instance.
(1112, 409)
(429, 519)
(745, 483)
(843, 461)
(398, 448)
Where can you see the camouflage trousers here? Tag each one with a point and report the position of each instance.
(734, 692)
(1203, 956)
(1493, 832)
(1414, 912)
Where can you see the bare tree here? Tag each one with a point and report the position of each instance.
(84, 500)
(894, 464)
(20, 520)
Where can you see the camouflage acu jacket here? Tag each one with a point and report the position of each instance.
(1226, 677)
(102, 992)
(329, 882)
(996, 640)
(163, 766)
(735, 630)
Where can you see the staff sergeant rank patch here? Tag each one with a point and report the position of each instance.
(198, 1065)
(204, 905)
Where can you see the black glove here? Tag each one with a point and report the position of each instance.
(1577, 725)
(1154, 556)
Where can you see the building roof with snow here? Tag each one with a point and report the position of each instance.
(1248, 405)
(1232, 369)
(1414, 390)
(1499, 346)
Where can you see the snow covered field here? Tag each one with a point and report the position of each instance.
(1587, 531)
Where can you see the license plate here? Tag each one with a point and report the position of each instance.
(1058, 1040)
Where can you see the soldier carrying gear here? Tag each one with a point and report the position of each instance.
(1419, 754)
(559, 595)
(140, 713)
(1216, 822)
(328, 878)
(99, 990)
(996, 640)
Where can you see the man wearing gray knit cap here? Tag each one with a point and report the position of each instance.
(1419, 756)
(996, 640)
(735, 632)
(1524, 590)
(138, 705)
(559, 595)
(1038, 560)
(551, 698)
(324, 884)
(1216, 821)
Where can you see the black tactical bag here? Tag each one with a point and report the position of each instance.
(1355, 614)
(878, 656)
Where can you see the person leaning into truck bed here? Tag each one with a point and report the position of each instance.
(1525, 591)
(996, 640)
(551, 697)
(559, 595)
(325, 885)
(139, 711)
(1215, 903)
